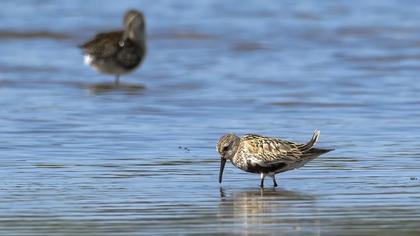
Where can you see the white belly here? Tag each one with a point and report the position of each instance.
(104, 66)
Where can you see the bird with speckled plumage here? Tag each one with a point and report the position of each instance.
(265, 155)
(118, 52)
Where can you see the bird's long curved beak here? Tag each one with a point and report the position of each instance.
(222, 167)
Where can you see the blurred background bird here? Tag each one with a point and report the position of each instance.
(118, 52)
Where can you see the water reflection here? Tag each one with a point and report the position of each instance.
(101, 88)
(262, 210)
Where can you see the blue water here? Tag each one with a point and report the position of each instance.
(80, 160)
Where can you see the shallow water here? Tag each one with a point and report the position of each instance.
(79, 157)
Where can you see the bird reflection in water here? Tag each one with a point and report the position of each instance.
(130, 89)
(263, 210)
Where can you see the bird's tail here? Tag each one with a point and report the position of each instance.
(309, 152)
(311, 142)
(319, 151)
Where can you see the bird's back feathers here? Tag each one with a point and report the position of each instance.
(266, 153)
(103, 44)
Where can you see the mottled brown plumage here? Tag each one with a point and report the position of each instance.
(118, 52)
(264, 155)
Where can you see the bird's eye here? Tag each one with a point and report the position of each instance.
(225, 148)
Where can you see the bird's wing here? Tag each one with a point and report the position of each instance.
(266, 151)
(103, 45)
(129, 55)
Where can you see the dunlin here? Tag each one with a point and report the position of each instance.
(118, 52)
(264, 155)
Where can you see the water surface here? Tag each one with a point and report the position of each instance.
(80, 158)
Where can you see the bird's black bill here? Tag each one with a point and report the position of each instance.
(222, 167)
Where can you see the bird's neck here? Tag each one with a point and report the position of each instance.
(233, 149)
(136, 35)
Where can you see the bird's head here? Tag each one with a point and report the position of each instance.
(226, 146)
(134, 25)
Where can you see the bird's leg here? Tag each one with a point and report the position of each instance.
(262, 180)
(117, 80)
(222, 193)
(274, 180)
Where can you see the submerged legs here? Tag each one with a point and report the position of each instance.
(274, 180)
(273, 176)
(117, 80)
(262, 180)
